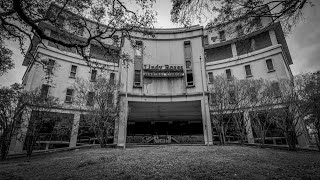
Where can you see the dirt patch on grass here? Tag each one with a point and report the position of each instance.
(168, 162)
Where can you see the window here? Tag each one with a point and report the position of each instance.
(187, 50)
(210, 75)
(44, 91)
(239, 30)
(138, 48)
(137, 78)
(248, 70)
(232, 97)
(205, 40)
(90, 99)
(269, 65)
(69, 95)
(222, 35)
(190, 79)
(276, 90)
(228, 73)
(50, 66)
(111, 79)
(73, 71)
(93, 75)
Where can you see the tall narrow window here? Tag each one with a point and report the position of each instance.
(248, 70)
(44, 90)
(190, 79)
(138, 48)
(69, 95)
(90, 99)
(222, 35)
(93, 75)
(137, 78)
(239, 30)
(210, 75)
(205, 40)
(111, 79)
(73, 71)
(50, 66)
(228, 73)
(269, 65)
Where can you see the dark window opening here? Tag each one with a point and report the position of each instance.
(248, 71)
(228, 73)
(257, 22)
(44, 90)
(232, 97)
(138, 48)
(137, 78)
(269, 65)
(73, 71)
(210, 74)
(90, 98)
(69, 95)
(213, 98)
(110, 99)
(111, 79)
(93, 75)
(190, 79)
(205, 40)
(219, 53)
(222, 35)
(50, 66)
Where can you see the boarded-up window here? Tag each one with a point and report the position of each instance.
(219, 53)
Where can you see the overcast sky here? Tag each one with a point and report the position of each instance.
(303, 42)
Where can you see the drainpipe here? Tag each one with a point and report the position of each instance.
(203, 99)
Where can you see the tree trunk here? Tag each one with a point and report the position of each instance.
(291, 140)
(318, 138)
(5, 143)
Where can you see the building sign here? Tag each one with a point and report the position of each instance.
(162, 70)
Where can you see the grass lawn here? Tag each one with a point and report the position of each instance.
(167, 162)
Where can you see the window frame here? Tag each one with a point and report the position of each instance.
(93, 75)
(245, 70)
(222, 35)
(136, 83)
(228, 78)
(47, 91)
(210, 77)
(69, 95)
(50, 67)
(71, 72)
(90, 98)
(270, 70)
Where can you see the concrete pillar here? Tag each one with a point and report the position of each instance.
(234, 50)
(206, 121)
(273, 37)
(17, 141)
(249, 131)
(74, 131)
(122, 124)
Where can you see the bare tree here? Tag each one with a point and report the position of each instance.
(5, 59)
(288, 12)
(75, 24)
(99, 101)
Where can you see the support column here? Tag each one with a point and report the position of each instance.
(206, 121)
(234, 50)
(17, 141)
(74, 131)
(273, 37)
(249, 131)
(122, 124)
